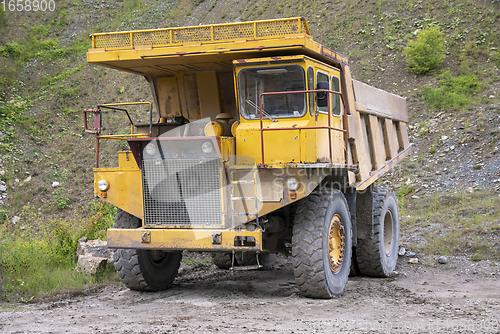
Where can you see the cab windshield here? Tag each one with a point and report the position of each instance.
(254, 81)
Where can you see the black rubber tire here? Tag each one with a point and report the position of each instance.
(313, 274)
(377, 252)
(266, 260)
(222, 260)
(354, 265)
(144, 270)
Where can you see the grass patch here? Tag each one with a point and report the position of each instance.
(195, 260)
(458, 224)
(36, 42)
(453, 92)
(38, 258)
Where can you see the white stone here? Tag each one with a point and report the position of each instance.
(90, 264)
(402, 251)
(15, 219)
(93, 256)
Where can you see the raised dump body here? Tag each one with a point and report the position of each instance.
(259, 142)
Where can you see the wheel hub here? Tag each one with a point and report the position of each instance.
(388, 232)
(336, 244)
(158, 257)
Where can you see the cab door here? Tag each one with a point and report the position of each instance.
(328, 111)
(337, 120)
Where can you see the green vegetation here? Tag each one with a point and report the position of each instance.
(457, 223)
(453, 92)
(37, 258)
(427, 52)
(196, 261)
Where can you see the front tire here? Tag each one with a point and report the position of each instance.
(322, 244)
(223, 260)
(144, 270)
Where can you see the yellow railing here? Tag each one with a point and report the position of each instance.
(215, 33)
(97, 126)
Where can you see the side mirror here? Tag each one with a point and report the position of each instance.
(322, 97)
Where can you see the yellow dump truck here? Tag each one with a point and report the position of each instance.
(258, 142)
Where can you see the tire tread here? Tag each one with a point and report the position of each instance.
(368, 250)
(307, 244)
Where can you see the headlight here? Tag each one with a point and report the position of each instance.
(292, 184)
(151, 148)
(207, 147)
(102, 185)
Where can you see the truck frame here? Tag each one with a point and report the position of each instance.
(259, 143)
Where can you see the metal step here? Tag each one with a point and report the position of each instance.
(253, 267)
(243, 181)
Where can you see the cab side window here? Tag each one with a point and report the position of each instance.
(336, 102)
(322, 77)
(310, 86)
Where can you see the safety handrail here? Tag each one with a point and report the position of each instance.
(98, 123)
(213, 33)
(329, 127)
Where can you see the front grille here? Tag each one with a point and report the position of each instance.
(182, 192)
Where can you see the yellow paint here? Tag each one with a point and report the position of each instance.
(208, 94)
(126, 159)
(283, 147)
(227, 148)
(168, 94)
(125, 188)
(201, 34)
(180, 239)
(161, 52)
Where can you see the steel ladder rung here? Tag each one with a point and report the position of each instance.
(244, 198)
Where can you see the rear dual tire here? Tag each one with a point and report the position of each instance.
(377, 250)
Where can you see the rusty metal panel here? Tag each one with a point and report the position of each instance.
(208, 93)
(356, 127)
(167, 91)
(191, 94)
(377, 141)
(226, 85)
(379, 102)
(391, 140)
(375, 175)
(403, 135)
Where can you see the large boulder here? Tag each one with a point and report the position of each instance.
(93, 256)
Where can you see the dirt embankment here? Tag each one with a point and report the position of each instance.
(460, 296)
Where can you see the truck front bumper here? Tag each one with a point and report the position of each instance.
(185, 239)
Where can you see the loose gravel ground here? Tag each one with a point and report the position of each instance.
(457, 297)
